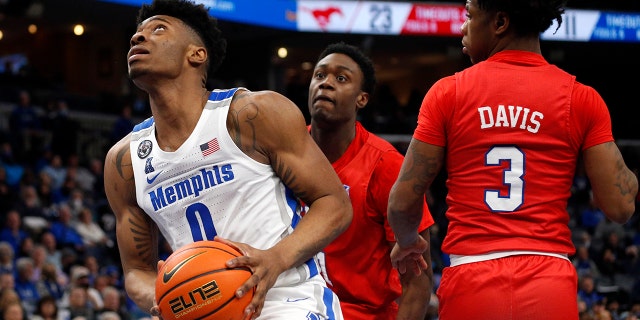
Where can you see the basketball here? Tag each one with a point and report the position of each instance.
(194, 283)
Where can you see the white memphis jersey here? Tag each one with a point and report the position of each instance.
(210, 187)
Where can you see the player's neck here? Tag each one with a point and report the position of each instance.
(333, 140)
(176, 115)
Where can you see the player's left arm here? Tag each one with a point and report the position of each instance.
(271, 129)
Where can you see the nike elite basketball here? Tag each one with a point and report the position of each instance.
(194, 283)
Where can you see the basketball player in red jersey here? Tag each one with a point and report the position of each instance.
(357, 264)
(509, 130)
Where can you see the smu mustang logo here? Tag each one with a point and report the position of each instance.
(323, 16)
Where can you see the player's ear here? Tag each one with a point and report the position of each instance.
(501, 21)
(197, 55)
(362, 100)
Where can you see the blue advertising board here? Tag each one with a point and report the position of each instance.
(404, 18)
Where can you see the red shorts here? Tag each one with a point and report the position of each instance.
(517, 287)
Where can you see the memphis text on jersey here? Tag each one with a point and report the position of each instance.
(515, 117)
(205, 179)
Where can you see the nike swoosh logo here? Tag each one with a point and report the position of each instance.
(296, 299)
(168, 275)
(150, 181)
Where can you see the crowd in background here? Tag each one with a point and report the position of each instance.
(58, 252)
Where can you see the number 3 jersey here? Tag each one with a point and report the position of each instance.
(210, 187)
(511, 153)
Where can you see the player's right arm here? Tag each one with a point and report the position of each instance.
(613, 184)
(136, 233)
(421, 165)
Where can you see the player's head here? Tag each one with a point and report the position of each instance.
(364, 63)
(527, 17)
(197, 18)
(495, 25)
(342, 81)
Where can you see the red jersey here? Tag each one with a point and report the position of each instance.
(511, 158)
(358, 263)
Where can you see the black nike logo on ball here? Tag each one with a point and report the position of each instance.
(167, 275)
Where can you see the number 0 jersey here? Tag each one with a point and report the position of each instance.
(511, 158)
(210, 187)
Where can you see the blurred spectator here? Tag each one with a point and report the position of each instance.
(7, 257)
(80, 279)
(113, 272)
(123, 125)
(48, 196)
(7, 194)
(77, 202)
(96, 166)
(12, 232)
(54, 256)
(101, 281)
(591, 215)
(613, 258)
(50, 283)
(26, 288)
(599, 311)
(25, 128)
(613, 307)
(47, 309)
(26, 247)
(39, 257)
(606, 227)
(68, 259)
(34, 215)
(14, 311)
(584, 264)
(65, 129)
(78, 306)
(56, 170)
(12, 167)
(7, 297)
(64, 231)
(7, 281)
(94, 238)
(587, 291)
(85, 179)
(114, 302)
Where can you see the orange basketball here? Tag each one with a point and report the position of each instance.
(194, 283)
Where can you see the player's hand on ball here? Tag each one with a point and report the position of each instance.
(266, 268)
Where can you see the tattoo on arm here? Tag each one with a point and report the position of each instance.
(120, 164)
(241, 118)
(288, 178)
(422, 171)
(144, 237)
(625, 178)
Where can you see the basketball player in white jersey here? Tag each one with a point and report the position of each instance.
(223, 164)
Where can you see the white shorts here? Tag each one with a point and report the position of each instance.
(310, 300)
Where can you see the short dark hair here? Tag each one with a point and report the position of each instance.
(197, 17)
(365, 64)
(528, 16)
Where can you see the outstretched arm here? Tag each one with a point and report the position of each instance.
(136, 234)
(421, 165)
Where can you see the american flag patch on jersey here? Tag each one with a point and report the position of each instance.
(209, 147)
